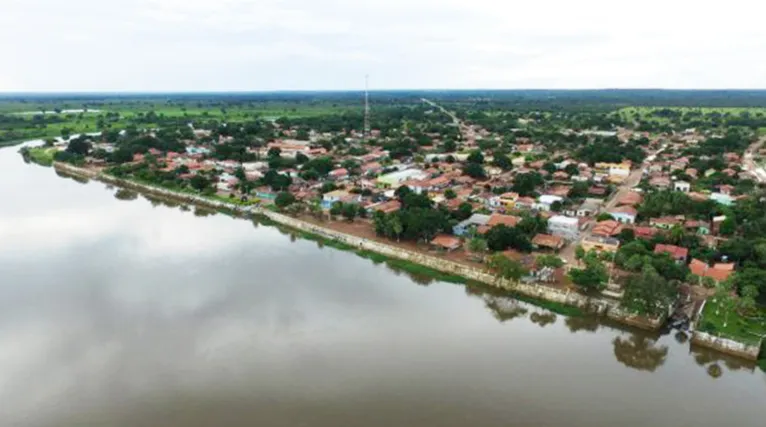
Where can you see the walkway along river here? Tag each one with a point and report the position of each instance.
(123, 310)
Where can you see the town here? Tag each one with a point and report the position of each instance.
(645, 212)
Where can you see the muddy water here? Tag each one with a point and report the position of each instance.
(116, 310)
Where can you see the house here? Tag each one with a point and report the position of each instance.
(682, 186)
(723, 199)
(386, 207)
(700, 227)
(600, 244)
(646, 233)
(630, 198)
(506, 200)
(476, 220)
(548, 241)
(624, 214)
(525, 203)
(565, 227)
(597, 191)
(661, 182)
(726, 189)
(545, 201)
(718, 272)
(338, 174)
(507, 220)
(697, 197)
(666, 222)
(339, 196)
(677, 253)
(561, 176)
(589, 207)
(608, 228)
(446, 242)
(394, 179)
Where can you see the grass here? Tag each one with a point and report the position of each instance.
(42, 155)
(741, 329)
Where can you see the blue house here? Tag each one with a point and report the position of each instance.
(474, 221)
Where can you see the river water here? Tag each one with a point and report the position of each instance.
(120, 311)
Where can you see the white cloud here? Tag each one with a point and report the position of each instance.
(330, 44)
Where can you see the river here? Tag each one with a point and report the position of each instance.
(120, 311)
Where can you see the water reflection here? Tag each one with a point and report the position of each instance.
(504, 308)
(123, 194)
(77, 178)
(543, 318)
(582, 323)
(639, 352)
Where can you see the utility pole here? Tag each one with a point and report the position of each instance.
(366, 107)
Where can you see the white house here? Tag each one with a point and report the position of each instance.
(545, 201)
(565, 227)
(624, 214)
(682, 186)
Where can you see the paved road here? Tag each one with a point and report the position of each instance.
(568, 253)
(464, 129)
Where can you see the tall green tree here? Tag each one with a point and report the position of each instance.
(593, 277)
(649, 293)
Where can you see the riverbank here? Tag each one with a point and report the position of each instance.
(562, 302)
(559, 300)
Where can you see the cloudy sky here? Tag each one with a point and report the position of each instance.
(206, 45)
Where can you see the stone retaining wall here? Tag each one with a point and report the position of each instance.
(597, 305)
(727, 346)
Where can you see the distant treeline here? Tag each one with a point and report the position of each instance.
(526, 99)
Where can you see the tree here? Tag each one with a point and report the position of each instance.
(506, 268)
(728, 227)
(336, 209)
(477, 245)
(475, 157)
(474, 170)
(526, 183)
(199, 182)
(502, 161)
(649, 293)
(350, 211)
(753, 278)
(579, 252)
(395, 225)
(284, 199)
(603, 216)
(551, 261)
(78, 146)
(591, 278)
(449, 146)
(301, 158)
(450, 194)
(464, 211)
(502, 237)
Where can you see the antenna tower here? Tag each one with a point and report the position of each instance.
(366, 107)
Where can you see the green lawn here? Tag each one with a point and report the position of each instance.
(738, 328)
(42, 155)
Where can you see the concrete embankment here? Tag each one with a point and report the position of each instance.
(734, 348)
(600, 306)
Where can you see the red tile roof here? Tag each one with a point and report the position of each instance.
(607, 228)
(497, 219)
(630, 198)
(675, 252)
(447, 242)
(718, 272)
(548, 241)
